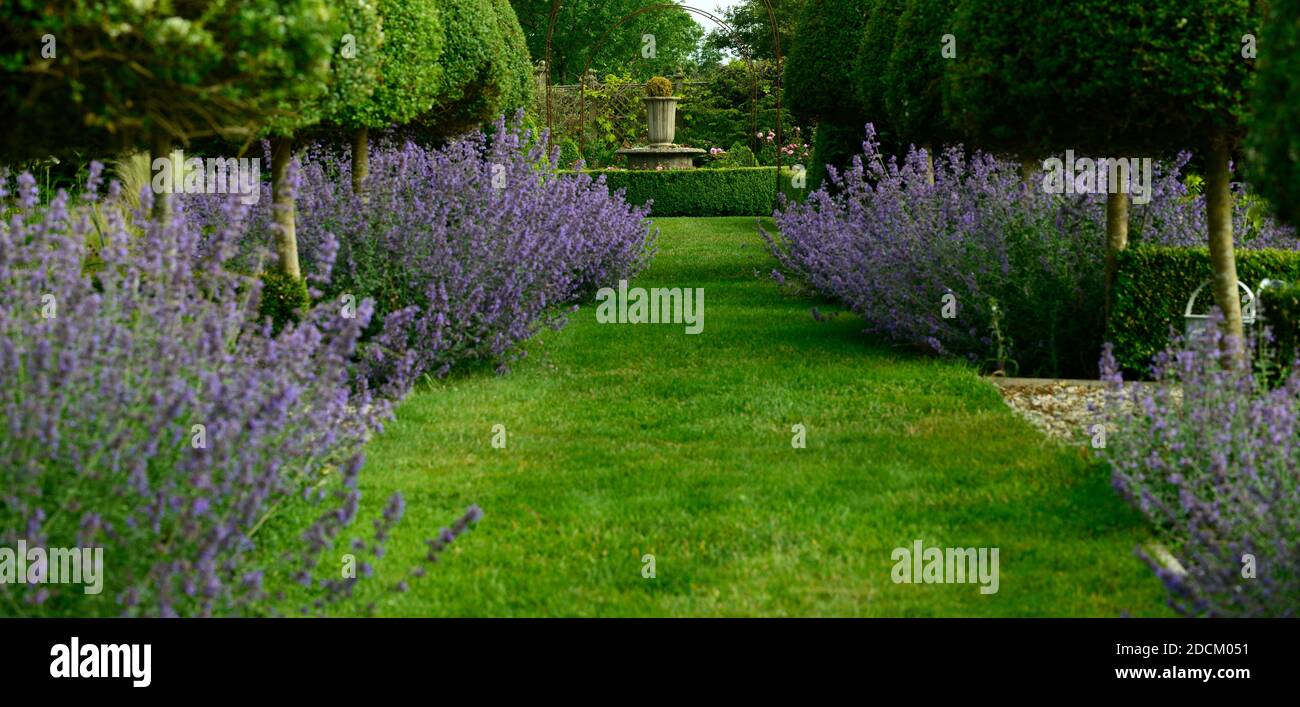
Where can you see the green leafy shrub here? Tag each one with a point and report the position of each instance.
(659, 87)
(748, 191)
(834, 144)
(485, 70)
(1279, 305)
(739, 155)
(569, 154)
(284, 298)
(517, 87)
(127, 72)
(1154, 283)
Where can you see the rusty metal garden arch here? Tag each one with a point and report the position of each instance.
(776, 43)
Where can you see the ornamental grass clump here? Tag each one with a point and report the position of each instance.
(148, 410)
(1210, 454)
(467, 250)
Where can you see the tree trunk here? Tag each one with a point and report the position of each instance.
(1218, 211)
(161, 147)
(929, 163)
(1116, 241)
(282, 202)
(360, 161)
(1028, 166)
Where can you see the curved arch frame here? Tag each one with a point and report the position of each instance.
(776, 43)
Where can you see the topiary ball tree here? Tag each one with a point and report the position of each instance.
(1274, 139)
(127, 75)
(872, 65)
(518, 85)
(344, 84)
(1114, 78)
(913, 91)
(819, 80)
(474, 70)
(409, 76)
(658, 87)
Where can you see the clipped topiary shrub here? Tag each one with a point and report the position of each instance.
(740, 156)
(659, 87)
(284, 298)
(1274, 139)
(570, 154)
(485, 71)
(833, 144)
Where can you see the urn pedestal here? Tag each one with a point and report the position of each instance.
(661, 153)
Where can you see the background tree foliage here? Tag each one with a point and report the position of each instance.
(581, 23)
(752, 28)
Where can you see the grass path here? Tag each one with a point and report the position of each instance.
(625, 440)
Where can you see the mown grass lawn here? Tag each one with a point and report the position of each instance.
(626, 440)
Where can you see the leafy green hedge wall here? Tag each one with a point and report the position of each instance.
(1281, 307)
(1153, 285)
(744, 191)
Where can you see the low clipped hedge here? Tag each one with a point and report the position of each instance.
(742, 191)
(1154, 282)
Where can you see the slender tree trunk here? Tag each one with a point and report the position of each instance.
(929, 162)
(161, 147)
(1116, 241)
(282, 202)
(1028, 166)
(360, 161)
(1218, 211)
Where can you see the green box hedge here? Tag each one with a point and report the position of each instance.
(1281, 307)
(1152, 287)
(742, 191)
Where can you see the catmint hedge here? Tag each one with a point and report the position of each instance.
(739, 191)
(1210, 454)
(1013, 268)
(147, 409)
(467, 250)
(1023, 267)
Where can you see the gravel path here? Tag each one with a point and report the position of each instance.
(1062, 409)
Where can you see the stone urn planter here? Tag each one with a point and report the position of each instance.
(661, 112)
